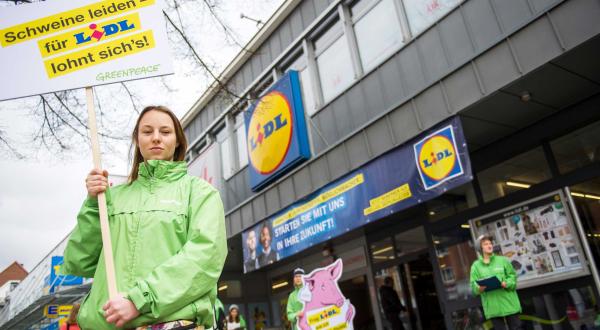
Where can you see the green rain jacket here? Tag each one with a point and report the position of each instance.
(499, 302)
(294, 305)
(169, 247)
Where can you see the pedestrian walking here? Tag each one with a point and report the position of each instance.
(71, 323)
(235, 321)
(294, 305)
(391, 304)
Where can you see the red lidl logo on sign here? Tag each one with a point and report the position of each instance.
(437, 158)
(270, 132)
(97, 33)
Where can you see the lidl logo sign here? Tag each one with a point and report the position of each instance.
(270, 132)
(437, 158)
(276, 132)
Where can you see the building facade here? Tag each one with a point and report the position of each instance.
(523, 80)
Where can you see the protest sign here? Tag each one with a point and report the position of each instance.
(59, 45)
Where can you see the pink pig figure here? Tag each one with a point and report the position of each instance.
(324, 292)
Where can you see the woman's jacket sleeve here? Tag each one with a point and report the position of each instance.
(85, 243)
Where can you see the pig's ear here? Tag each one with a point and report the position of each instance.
(309, 282)
(336, 269)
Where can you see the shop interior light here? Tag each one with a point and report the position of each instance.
(436, 242)
(431, 212)
(380, 257)
(385, 249)
(279, 285)
(517, 184)
(592, 196)
(223, 287)
(465, 226)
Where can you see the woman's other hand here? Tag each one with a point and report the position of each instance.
(119, 311)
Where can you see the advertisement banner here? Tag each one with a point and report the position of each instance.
(276, 132)
(325, 307)
(538, 237)
(57, 280)
(59, 45)
(420, 170)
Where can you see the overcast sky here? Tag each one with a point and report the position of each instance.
(40, 196)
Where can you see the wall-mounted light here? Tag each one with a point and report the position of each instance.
(465, 226)
(517, 184)
(589, 196)
(385, 249)
(223, 287)
(279, 285)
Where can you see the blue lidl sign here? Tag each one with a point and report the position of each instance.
(276, 132)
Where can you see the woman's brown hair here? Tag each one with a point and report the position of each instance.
(179, 134)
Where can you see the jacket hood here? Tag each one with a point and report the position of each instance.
(163, 170)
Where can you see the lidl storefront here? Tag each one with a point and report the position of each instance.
(541, 205)
(536, 192)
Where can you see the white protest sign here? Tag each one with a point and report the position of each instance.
(66, 44)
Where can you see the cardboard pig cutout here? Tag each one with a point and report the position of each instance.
(325, 307)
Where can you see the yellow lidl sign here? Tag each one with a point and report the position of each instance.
(437, 159)
(276, 132)
(270, 132)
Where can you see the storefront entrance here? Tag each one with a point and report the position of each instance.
(357, 290)
(413, 282)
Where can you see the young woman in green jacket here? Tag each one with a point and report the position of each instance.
(501, 305)
(168, 236)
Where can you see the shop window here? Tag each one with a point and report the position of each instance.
(467, 319)
(333, 62)
(377, 30)
(517, 173)
(230, 289)
(410, 241)
(447, 274)
(423, 13)
(240, 135)
(308, 101)
(577, 149)
(452, 202)
(382, 250)
(455, 254)
(281, 284)
(574, 308)
(225, 148)
(586, 197)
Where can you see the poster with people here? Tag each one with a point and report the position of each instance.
(538, 237)
(258, 248)
(325, 306)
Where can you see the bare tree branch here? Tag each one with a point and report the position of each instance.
(131, 97)
(199, 59)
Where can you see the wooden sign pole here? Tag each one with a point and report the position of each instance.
(105, 229)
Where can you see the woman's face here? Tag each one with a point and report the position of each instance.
(265, 237)
(156, 136)
(487, 247)
(233, 312)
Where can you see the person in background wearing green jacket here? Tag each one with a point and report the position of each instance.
(502, 305)
(168, 236)
(294, 305)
